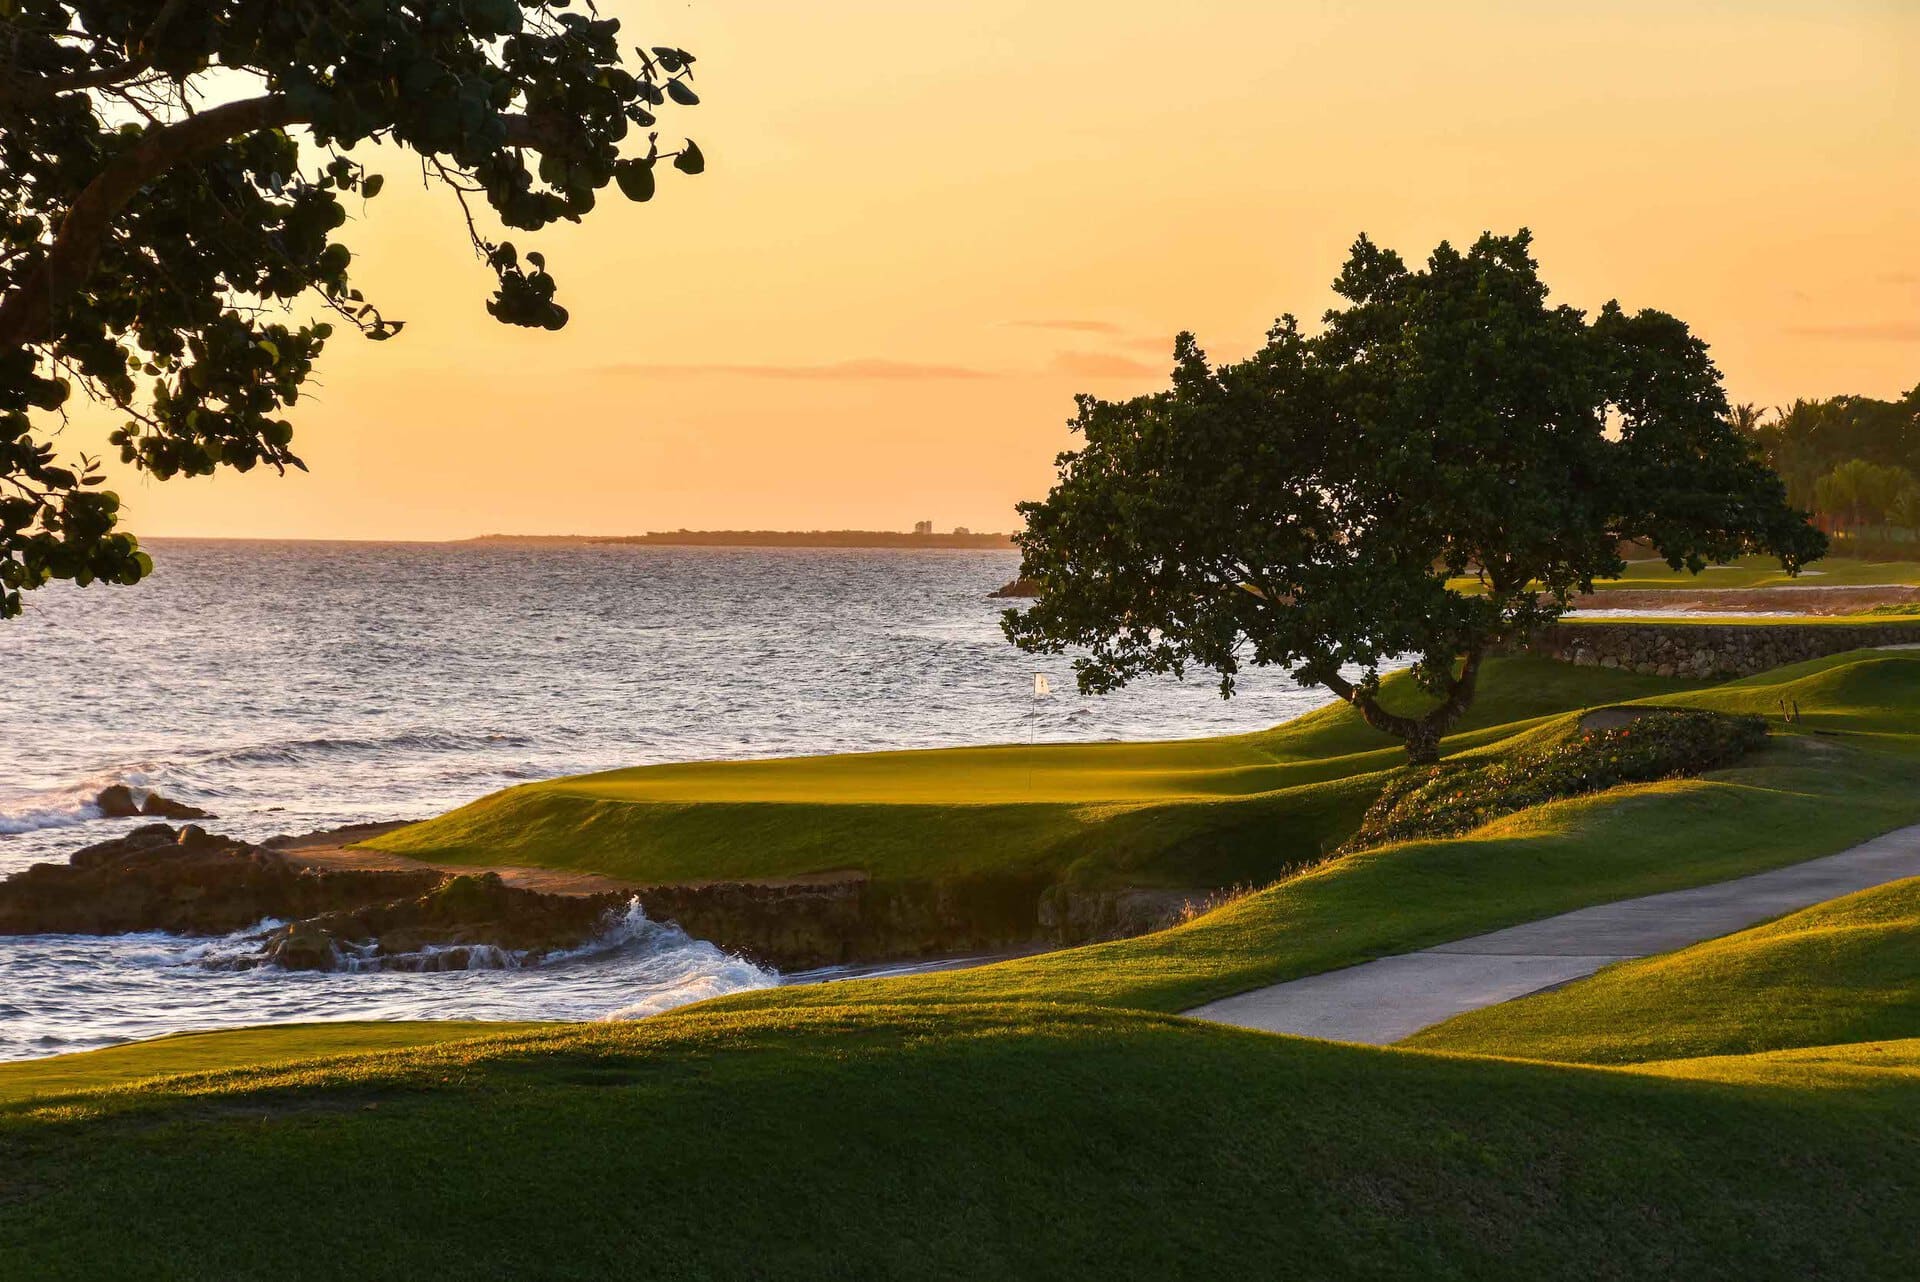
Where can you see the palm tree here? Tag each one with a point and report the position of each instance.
(1746, 417)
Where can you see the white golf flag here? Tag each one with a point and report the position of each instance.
(1040, 687)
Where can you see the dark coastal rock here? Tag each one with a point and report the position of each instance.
(344, 835)
(1087, 916)
(845, 919)
(159, 807)
(117, 802)
(302, 946)
(1017, 588)
(184, 881)
(188, 881)
(444, 928)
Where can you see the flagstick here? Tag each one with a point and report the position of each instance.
(1040, 687)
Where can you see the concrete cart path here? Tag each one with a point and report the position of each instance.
(1383, 1001)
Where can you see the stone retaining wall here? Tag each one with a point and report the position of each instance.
(1691, 649)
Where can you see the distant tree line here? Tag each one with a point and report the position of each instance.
(1852, 460)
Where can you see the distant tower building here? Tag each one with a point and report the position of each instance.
(923, 527)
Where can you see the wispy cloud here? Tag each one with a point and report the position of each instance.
(867, 368)
(1102, 365)
(1898, 278)
(1887, 332)
(1071, 326)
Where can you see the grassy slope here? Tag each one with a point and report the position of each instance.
(235, 1048)
(1199, 812)
(1805, 795)
(996, 1121)
(1855, 1067)
(1845, 971)
(1006, 1141)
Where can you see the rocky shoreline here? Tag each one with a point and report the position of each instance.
(369, 911)
(188, 881)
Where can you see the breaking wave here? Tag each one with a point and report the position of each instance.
(33, 810)
(73, 992)
(293, 752)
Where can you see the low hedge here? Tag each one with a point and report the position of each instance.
(1453, 797)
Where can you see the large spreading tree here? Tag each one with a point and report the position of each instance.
(1438, 471)
(174, 178)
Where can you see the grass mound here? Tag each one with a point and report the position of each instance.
(1642, 746)
(984, 1140)
(1862, 693)
(1844, 971)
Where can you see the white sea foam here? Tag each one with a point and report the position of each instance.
(72, 992)
(32, 811)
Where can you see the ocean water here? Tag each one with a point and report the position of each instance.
(293, 686)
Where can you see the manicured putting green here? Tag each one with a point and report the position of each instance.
(1183, 813)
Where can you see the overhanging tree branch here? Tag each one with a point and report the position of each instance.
(122, 278)
(15, 92)
(27, 311)
(26, 314)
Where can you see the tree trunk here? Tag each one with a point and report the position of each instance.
(1423, 743)
(1420, 735)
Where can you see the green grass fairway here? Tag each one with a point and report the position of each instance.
(1186, 813)
(1845, 971)
(983, 1141)
(1046, 1118)
(1765, 572)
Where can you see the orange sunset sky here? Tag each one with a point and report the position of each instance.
(925, 226)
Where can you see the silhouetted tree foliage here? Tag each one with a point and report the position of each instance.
(1314, 506)
(176, 181)
(1857, 493)
(1806, 441)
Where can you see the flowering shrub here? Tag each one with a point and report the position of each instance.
(1659, 743)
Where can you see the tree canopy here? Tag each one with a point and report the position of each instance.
(1437, 471)
(176, 179)
(1806, 441)
(1857, 493)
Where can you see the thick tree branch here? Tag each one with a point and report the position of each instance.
(1422, 734)
(26, 314)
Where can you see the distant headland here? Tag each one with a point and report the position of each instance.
(922, 536)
